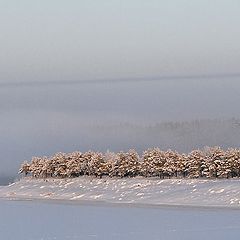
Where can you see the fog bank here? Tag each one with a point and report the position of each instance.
(181, 114)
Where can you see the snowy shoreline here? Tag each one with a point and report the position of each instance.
(141, 192)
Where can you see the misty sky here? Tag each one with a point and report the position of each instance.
(82, 39)
(50, 50)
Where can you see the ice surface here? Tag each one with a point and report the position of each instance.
(48, 220)
(137, 191)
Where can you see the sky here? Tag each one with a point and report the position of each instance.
(80, 75)
(53, 40)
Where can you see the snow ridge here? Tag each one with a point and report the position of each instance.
(139, 190)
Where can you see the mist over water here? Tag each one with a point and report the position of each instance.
(180, 114)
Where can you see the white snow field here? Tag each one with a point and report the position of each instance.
(137, 191)
(134, 208)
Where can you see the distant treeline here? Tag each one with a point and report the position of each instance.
(207, 163)
(180, 136)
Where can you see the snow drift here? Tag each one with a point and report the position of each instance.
(139, 190)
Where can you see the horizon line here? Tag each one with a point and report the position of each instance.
(117, 80)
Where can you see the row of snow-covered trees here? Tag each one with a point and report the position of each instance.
(207, 163)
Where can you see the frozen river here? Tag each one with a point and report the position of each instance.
(48, 220)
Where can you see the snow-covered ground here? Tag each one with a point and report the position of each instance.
(89, 208)
(135, 191)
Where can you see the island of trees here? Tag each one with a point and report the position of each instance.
(206, 163)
